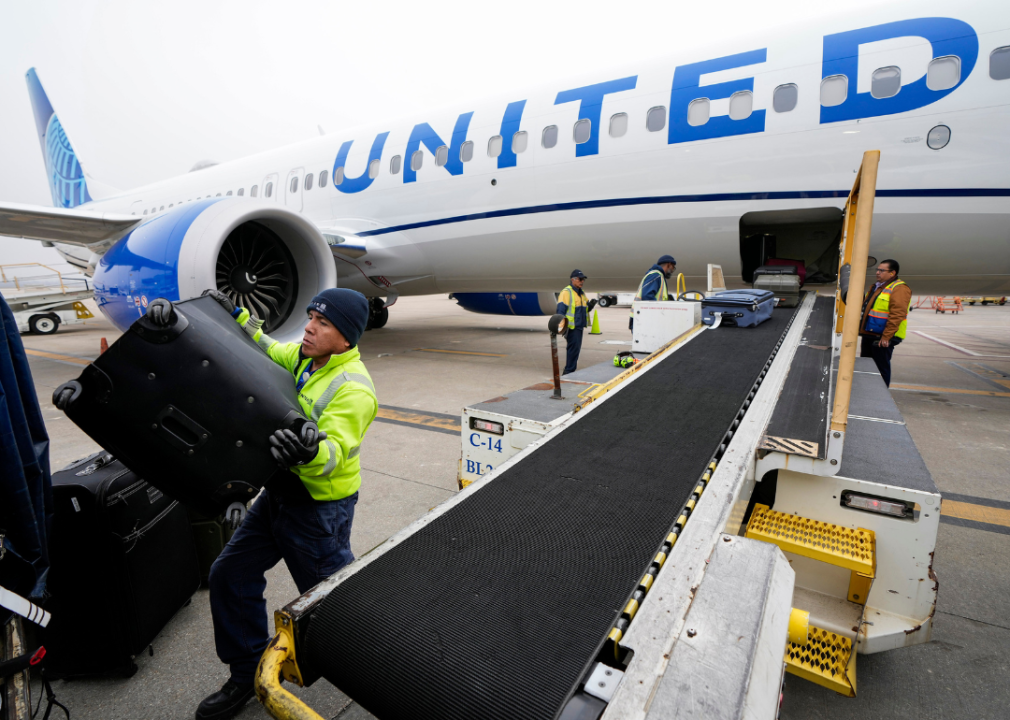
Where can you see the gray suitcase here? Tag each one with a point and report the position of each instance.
(783, 281)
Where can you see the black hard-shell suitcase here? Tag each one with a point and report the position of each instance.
(190, 407)
(122, 564)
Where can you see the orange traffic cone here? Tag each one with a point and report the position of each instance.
(104, 347)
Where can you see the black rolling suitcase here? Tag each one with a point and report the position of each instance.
(189, 407)
(122, 564)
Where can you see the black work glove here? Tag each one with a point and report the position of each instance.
(289, 449)
(224, 300)
(160, 312)
(592, 304)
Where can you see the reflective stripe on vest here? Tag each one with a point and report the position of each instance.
(320, 405)
(661, 294)
(876, 320)
(577, 300)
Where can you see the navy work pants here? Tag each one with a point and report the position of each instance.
(574, 348)
(313, 539)
(881, 356)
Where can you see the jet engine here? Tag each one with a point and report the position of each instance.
(266, 258)
(524, 303)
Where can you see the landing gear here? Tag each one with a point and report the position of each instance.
(378, 314)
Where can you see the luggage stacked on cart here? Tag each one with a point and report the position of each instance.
(189, 407)
(742, 308)
(122, 564)
(783, 280)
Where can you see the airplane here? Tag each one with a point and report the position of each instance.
(730, 156)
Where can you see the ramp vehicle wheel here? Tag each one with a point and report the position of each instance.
(43, 324)
(604, 301)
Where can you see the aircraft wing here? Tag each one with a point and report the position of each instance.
(72, 227)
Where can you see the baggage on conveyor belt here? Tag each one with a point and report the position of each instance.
(743, 308)
(189, 407)
(122, 565)
(783, 280)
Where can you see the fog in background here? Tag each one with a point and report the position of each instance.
(145, 90)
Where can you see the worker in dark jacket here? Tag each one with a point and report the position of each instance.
(653, 285)
(884, 319)
(573, 305)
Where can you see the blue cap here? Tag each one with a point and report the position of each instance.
(666, 259)
(578, 274)
(346, 309)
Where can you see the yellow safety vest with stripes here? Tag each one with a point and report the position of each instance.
(876, 321)
(574, 300)
(662, 294)
(340, 398)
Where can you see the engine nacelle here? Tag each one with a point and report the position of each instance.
(525, 303)
(266, 258)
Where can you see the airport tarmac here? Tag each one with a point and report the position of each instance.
(951, 381)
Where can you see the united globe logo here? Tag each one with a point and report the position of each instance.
(66, 178)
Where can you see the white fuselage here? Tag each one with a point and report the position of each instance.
(943, 213)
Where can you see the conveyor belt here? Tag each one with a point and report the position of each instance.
(496, 608)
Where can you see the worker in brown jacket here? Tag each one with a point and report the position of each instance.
(885, 313)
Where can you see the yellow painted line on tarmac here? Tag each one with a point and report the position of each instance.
(978, 513)
(926, 388)
(421, 419)
(459, 352)
(58, 356)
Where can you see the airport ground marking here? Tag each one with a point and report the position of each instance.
(420, 419)
(927, 388)
(59, 357)
(459, 352)
(984, 372)
(958, 348)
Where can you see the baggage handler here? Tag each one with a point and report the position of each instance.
(573, 305)
(884, 320)
(302, 516)
(653, 285)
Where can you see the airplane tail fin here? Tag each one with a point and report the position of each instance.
(66, 176)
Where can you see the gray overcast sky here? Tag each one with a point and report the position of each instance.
(146, 89)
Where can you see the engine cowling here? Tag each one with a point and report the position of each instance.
(266, 258)
(529, 304)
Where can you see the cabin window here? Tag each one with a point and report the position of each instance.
(698, 112)
(938, 137)
(834, 90)
(741, 104)
(999, 63)
(550, 136)
(494, 146)
(417, 160)
(227, 193)
(466, 151)
(241, 192)
(519, 142)
(254, 191)
(268, 190)
(324, 175)
(582, 131)
(171, 205)
(163, 207)
(943, 73)
(145, 212)
(394, 166)
(655, 119)
(309, 178)
(784, 98)
(618, 125)
(373, 169)
(441, 155)
(886, 82)
(294, 184)
(338, 176)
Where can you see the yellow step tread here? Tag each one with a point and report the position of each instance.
(845, 547)
(827, 659)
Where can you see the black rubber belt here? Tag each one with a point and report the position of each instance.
(496, 608)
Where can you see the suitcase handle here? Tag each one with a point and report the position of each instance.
(180, 430)
(147, 330)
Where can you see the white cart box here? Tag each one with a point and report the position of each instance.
(657, 323)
